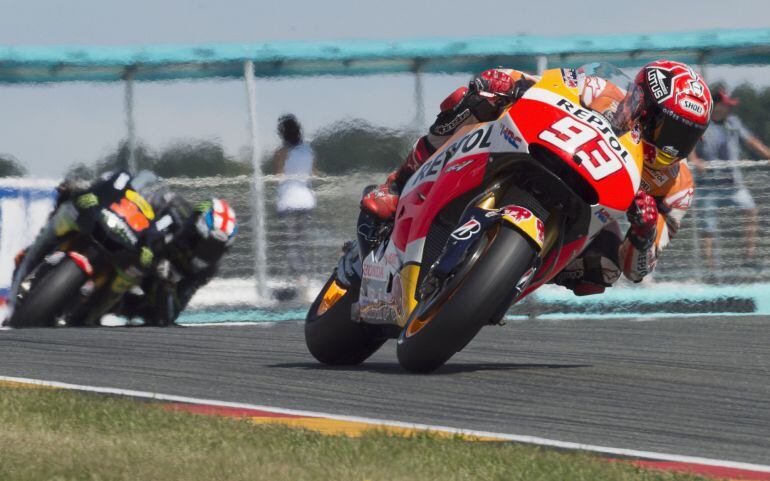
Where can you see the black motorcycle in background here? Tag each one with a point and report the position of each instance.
(106, 240)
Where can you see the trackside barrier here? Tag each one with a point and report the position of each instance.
(679, 286)
(24, 208)
(648, 300)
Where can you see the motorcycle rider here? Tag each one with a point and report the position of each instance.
(182, 265)
(667, 108)
(185, 264)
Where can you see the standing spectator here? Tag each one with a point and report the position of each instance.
(294, 162)
(722, 141)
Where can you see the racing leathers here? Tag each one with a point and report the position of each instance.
(658, 208)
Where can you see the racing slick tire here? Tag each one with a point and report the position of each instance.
(49, 296)
(478, 294)
(332, 337)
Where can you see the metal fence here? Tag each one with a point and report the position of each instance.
(720, 217)
(327, 227)
(333, 222)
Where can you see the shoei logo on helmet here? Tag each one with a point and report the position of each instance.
(692, 106)
(691, 96)
(467, 230)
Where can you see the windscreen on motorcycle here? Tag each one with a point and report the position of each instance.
(608, 72)
(143, 179)
(150, 187)
(627, 110)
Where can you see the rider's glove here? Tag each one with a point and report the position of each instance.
(383, 199)
(643, 216)
(488, 93)
(493, 82)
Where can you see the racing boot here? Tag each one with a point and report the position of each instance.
(597, 268)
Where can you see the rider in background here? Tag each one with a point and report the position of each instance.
(722, 141)
(184, 264)
(668, 107)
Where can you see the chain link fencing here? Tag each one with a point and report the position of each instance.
(714, 215)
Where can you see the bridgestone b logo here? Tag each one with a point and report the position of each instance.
(467, 230)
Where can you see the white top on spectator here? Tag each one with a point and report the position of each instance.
(294, 191)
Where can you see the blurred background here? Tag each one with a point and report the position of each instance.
(194, 128)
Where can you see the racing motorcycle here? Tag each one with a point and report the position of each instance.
(111, 236)
(492, 215)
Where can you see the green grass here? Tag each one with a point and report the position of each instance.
(63, 435)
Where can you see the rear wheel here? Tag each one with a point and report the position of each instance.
(478, 294)
(332, 337)
(49, 296)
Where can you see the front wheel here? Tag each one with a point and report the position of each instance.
(332, 337)
(49, 296)
(480, 293)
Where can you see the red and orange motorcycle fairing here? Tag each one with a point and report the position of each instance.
(549, 116)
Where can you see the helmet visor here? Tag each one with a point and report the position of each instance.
(673, 136)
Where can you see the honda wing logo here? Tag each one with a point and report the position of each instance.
(467, 230)
(458, 166)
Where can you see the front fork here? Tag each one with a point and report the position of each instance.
(476, 222)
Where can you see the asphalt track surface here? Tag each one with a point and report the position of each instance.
(694, 386)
